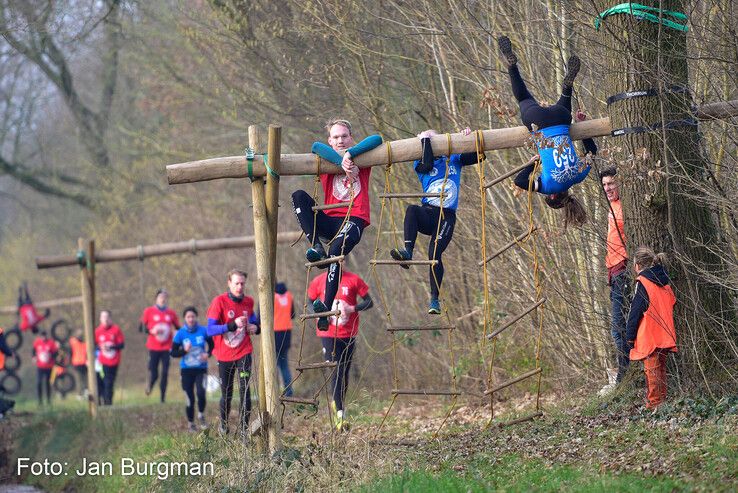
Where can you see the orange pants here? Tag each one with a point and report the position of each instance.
(655, 368)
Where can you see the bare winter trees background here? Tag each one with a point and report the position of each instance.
(96, 97)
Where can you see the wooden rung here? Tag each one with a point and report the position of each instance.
(509, 245)
(535, 415)
(513, 381)
(299, 400)
(403, 262)
(517, 317)
(325, 261)
(315, 366)
(423, 392)
(405, 328)
(326, 207)
(505, 176)
(308, 316)
(409, 195)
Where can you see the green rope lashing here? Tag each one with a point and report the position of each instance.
(646, 13)
(250, 154)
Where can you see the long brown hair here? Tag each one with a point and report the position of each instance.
(574, 212)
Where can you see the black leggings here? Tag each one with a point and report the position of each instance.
(107, 383)
(43, 384)
(227, 370)
(326, 228)
(154, 358)
(532, 113)
(424, 219)
(82, 374)
(341, 351)
(193, 380)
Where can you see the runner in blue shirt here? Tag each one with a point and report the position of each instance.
(424, 218)
(192, 344)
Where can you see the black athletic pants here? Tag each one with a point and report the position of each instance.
(154, 358)
(193, 381)
(108, 382)
(533, 113)
(43, 385)
(342, 352)
(424, 219)
(227, 370)
(82, 374)
(326, 228)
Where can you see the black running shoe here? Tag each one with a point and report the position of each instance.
(572, 69)
(506, 49)
(401, 255)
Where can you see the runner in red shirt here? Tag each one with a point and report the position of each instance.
(44, 352)
(339, 340)
(231, 323)
(160, 323)
(109, 341)
(330, 225)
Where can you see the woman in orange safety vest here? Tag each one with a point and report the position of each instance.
(284, 312)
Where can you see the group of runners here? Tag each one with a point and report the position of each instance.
(339, 295)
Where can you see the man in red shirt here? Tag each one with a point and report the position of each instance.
(616, 262)
(44, 352)
(160, 323)
(337, 189)
(109, 341)
(231, 323)
(339, 340)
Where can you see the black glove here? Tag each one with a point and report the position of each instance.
(232, 327)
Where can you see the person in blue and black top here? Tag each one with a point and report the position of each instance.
(425, 218)
(192, 344)
(560, 166)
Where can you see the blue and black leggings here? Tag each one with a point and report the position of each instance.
(424, 219)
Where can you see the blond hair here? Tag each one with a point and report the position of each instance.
(338, 121)
(233, 272)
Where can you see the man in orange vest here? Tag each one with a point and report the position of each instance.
(650, 330)
(284, 312)
(79, 359)
(617, 277)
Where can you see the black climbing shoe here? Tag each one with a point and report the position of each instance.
(401, 255)
(506, 49)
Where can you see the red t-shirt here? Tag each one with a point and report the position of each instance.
(350, 288)
(336, 190)
(45, 352)
(231, 346)
(106, 337)
(161, 324)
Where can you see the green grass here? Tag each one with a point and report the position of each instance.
(515, 474)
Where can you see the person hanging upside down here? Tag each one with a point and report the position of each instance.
(560, 168)
(424, 218)
(189, 343)
(160, 323)
(339, 340)
(28, 316)
(330, 225)
(650, 329)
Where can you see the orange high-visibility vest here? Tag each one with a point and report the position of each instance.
(79, 351)
(615, 246)
(282, 311)
(656, 328)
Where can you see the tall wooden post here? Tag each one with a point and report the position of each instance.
(87, 279)
(265, 248)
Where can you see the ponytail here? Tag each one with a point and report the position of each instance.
(646, 258)
(574, 212)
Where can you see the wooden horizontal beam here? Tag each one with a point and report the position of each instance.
(513, 381)
(325, 261)
(12, 309)
(317, 366)
(506, 175)
(423, 392)
(403, 262)
(523, 419)
(402, 150)
(410, 328)
(145, 251)
(327, 207)
(309, 316)
(509, 245)
(410, 195)
(509, 323)
(299, 400)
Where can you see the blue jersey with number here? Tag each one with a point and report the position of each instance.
(559, 162)
(432, 181)
(192, 358)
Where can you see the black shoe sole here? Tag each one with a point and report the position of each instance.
(572, 69)
(396, 255)
(503, 42)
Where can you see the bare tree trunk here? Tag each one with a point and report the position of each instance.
(663, 174)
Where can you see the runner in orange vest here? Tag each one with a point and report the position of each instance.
(284, 312)
(616, 262)
(4, 350)
(650, 330)
(79, 359)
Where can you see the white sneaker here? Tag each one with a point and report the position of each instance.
(606, 390)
